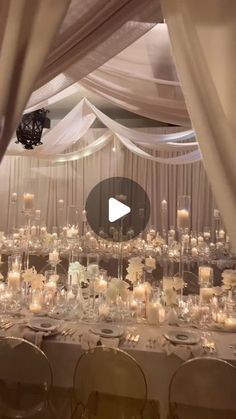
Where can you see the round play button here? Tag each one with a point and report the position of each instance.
(118, 209)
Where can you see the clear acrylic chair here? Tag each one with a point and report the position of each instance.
(25, 380)
(203, 388)
(109, 384)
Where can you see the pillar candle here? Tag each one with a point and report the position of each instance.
(54, 256)
(164, 204)
(13, 197)
(205, 273)
(139, 292)
(182, 219)
(14, 280)
(153, 314)
(28, 199)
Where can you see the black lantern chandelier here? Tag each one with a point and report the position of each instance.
(30, 129)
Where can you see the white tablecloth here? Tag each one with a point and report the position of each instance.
(158, 368)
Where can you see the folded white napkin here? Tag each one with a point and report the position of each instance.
(34, 337)
(183, 352)
(90, 340)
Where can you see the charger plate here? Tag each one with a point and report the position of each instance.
(185, 337)
(43, 324)
(108, 332)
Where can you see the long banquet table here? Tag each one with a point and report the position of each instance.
(63, 353)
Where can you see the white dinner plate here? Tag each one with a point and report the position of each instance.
(108, 332)
(44, 324)
(182, 337)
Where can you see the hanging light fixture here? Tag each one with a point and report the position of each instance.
(30, 129)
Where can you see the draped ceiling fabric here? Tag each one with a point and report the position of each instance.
(93, 32)
(72, 181)
(90, 34)
(24, 46)
(77, 122)
(203, 37)
(142, 79)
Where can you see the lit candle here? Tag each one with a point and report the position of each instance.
(54, 256)
(28, 199)
(205, 273)
(139, 292)
(230, 324)
(101, 286)
(14, 281)
(193, 241)
(13, 197)
(200, 239)
(164, 204)
(216, 213)
(207, 234)
(221, 234)
(153, 314)
(182, 219)
(194, 251)
(84, 215)
(150, 262)
(21, 231)
(206, 295)
(35, 308)
(172, 232)
(60, 203)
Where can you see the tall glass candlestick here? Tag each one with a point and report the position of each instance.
(216, 215)
(13, 206)
(183, 224)
(164, 226)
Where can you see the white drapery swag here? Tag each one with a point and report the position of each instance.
(25, 42)
(77, 122)
(203, 37)
(93, 32)
(142, 79)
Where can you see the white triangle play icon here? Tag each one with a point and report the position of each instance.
(117, 209)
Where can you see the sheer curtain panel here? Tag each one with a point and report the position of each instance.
(203, 38)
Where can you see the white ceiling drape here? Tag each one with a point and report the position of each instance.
(142, 79)
(203, 37)
(77, 122)
(93, 32)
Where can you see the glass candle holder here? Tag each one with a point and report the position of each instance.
(183, 212)
(205, 274)
(15, 263)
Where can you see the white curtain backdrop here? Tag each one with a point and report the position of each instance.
(72, 181)
(203, 37)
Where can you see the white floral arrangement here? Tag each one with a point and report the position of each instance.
(135, 269)
(77, 272)
(170, 288)
(36, 280)
(117, 288)
(229, 278)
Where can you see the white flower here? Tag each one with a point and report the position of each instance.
(178, 283)
(170, 297)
